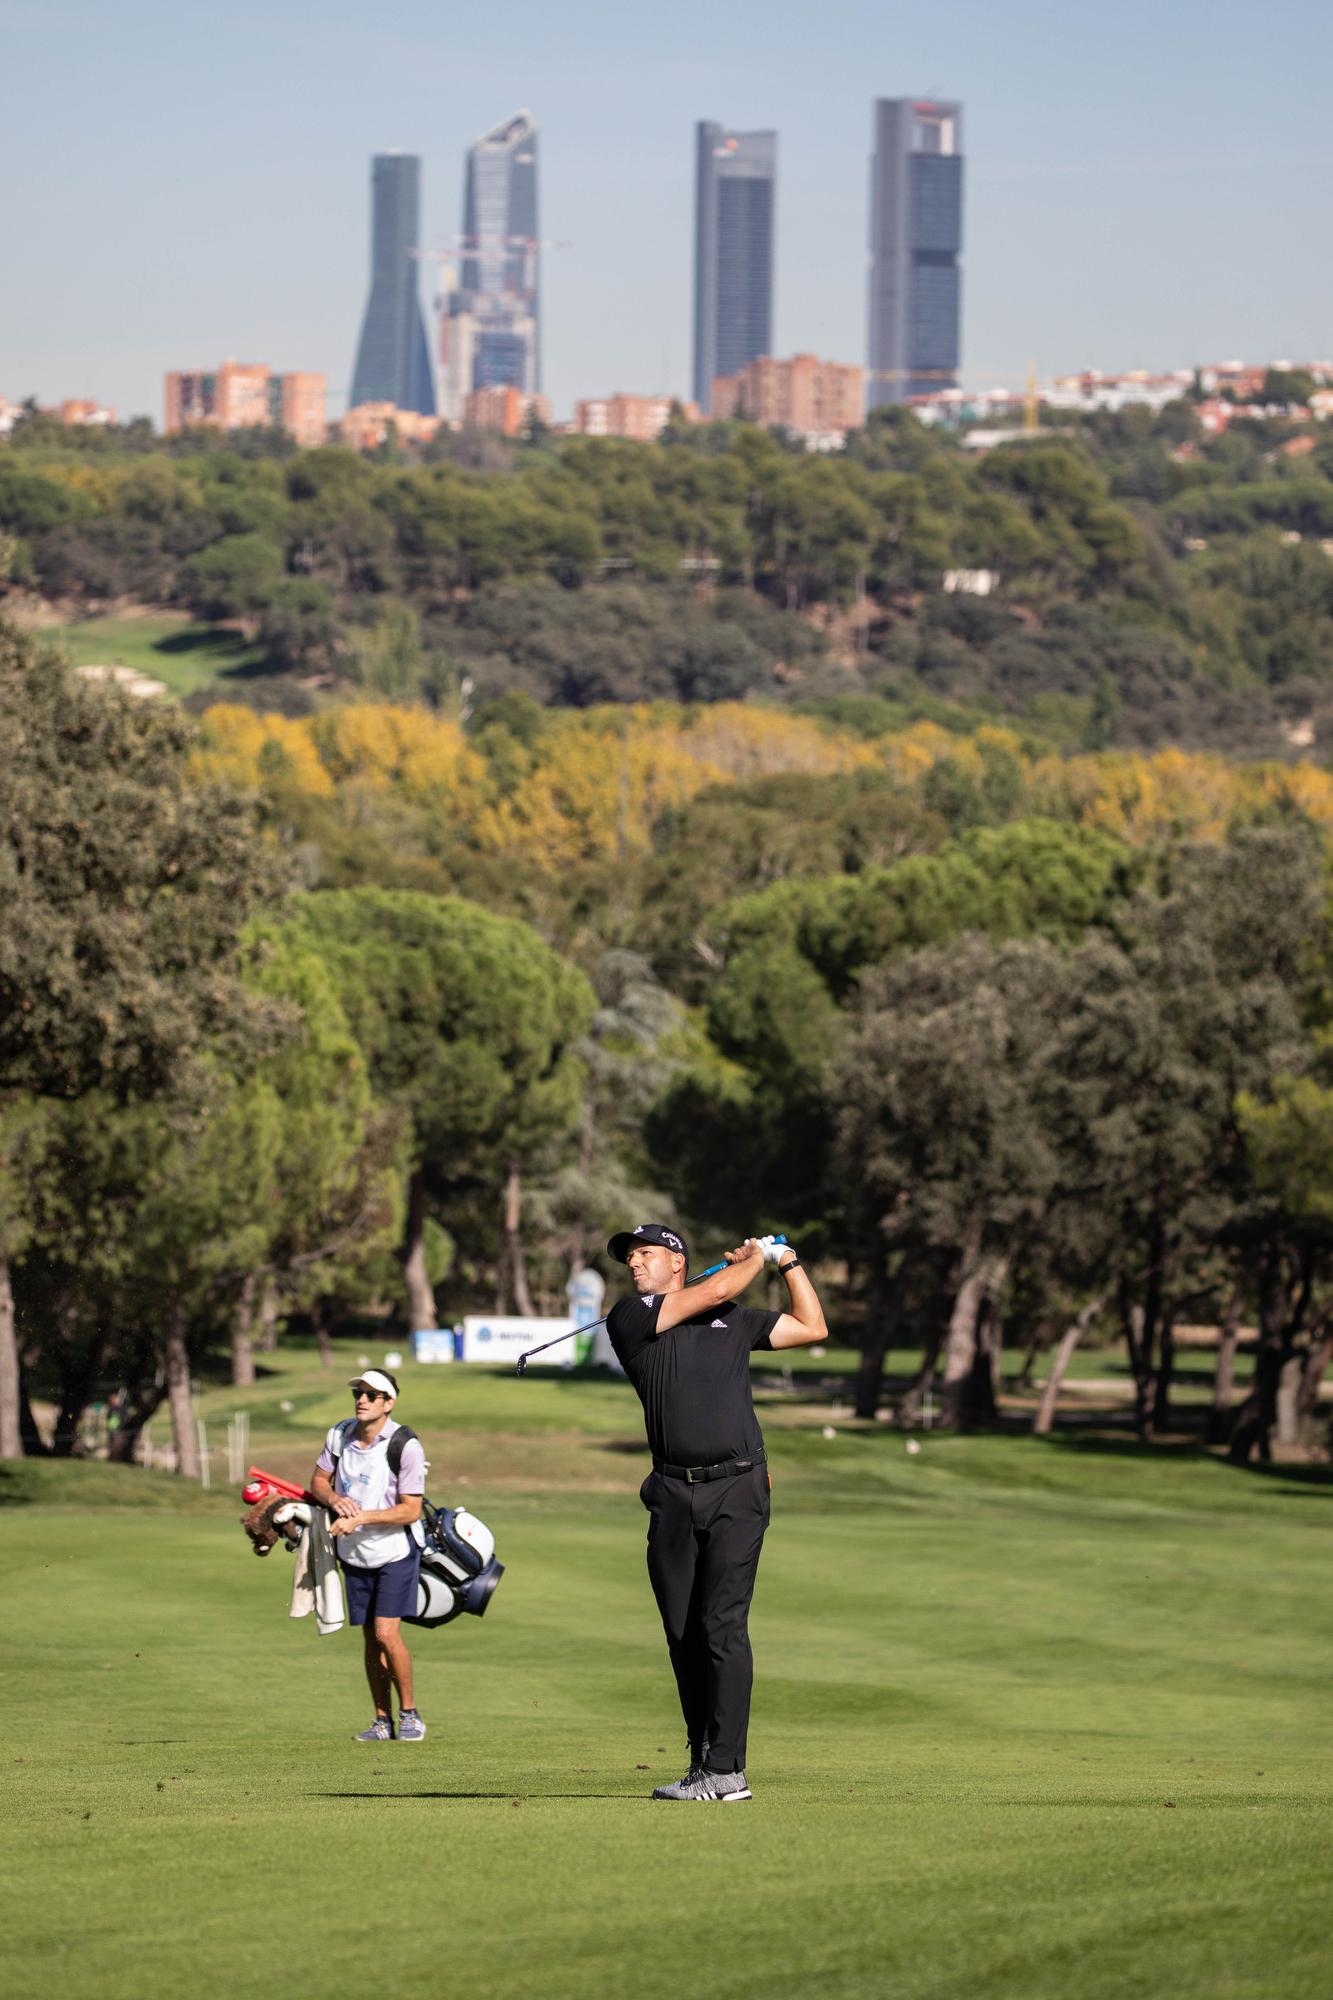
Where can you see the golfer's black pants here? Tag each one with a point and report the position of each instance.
(703, 1554)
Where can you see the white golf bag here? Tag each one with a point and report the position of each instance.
(458, 1566)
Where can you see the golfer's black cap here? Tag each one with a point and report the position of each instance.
(647, 1232)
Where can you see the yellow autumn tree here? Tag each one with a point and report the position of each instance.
(239, 747)
(598, 780)
(908, 754)
(1296, 788)
(593, 792)
(1171, 795)
(740, 742)
(406, 748)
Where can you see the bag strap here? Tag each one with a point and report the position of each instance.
(398, 1443)
(342, 1427)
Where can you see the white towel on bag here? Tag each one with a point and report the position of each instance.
(316, 1581)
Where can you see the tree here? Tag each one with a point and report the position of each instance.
(235, 578)
(31, 504)
(636, 1039)
(23, 1143)
(125, 890)
(159, 1226)
(297, 625)
(952, 1137)
(385, 658)
(1288, 1138)
(1287, 385)
(468, 1024)
(323, 1187)
(125, 886)
(1219, 958)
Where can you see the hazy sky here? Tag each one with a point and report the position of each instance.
(1146, 183)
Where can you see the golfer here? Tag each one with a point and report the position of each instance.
(373, 1492)
(688, 1354)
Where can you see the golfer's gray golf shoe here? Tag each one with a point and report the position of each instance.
(683, 1787)
(411, 1728)
(698, 1758)
(703, 1787)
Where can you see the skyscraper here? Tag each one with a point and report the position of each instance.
(490, 328)
(392, 358)
(735, 179)
(916, 233)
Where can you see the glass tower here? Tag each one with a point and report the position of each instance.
(916, 234)
(392, 357)
(735, 180)
(491, 334)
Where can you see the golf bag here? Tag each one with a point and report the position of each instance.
(458, 1566)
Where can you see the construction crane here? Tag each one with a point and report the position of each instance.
(934, 374)
(1030, 399)
(457, 249)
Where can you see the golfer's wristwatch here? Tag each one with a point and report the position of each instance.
(792, 1264)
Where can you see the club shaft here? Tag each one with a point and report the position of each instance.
(593, 1324)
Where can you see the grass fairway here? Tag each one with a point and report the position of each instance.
(1030, 1721)
(162, 644)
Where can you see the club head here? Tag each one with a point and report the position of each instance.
(522, 1364)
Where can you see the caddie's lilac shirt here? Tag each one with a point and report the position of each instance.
(363, 1472)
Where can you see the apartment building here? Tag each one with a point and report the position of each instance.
(805, 394)
(246, 395)
(503, 407)
(640, 417)
(366, 427)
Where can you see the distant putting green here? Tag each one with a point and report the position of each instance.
(1032, 1721)
(165, 645)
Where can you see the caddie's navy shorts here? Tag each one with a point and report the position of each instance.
(388, 1592)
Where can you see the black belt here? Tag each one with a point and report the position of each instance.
(699, 1475)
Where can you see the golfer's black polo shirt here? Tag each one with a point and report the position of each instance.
(694, 1379)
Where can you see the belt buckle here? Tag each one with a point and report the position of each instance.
(689, 1476)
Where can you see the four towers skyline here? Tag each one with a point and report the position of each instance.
(490, 320)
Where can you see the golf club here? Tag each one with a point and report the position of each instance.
(593, 1324)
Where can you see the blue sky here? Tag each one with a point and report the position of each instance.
(1147, 184)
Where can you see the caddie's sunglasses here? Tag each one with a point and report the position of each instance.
(371, 1395)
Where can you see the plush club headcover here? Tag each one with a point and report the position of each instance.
(265, 1531)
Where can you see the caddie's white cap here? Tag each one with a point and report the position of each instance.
(375, 1378)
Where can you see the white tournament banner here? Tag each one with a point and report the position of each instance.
(491, 1337)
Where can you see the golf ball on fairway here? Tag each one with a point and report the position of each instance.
(913, 1447)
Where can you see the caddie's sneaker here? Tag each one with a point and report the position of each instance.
(411, 1728)
(707, 1788)
(380, 1731)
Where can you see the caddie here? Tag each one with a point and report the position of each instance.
(687, 1353)
(371, 1476)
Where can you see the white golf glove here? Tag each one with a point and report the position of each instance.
(772, 1249)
